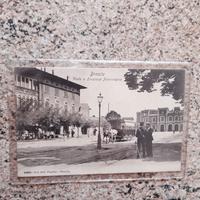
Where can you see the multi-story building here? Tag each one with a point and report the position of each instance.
(162, 119)
(36, 85)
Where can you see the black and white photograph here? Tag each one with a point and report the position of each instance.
(98, 120)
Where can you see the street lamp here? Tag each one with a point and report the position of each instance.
(100, 99)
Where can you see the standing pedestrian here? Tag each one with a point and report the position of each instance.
(95, 131)
(148, 140)
(73, 131)
(140, 134)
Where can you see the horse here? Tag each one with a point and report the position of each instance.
(113, 135)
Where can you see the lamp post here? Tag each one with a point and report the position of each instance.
(100, 99)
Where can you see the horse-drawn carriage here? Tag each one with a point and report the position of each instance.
(118, 135)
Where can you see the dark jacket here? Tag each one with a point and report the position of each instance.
(140, 133)
(149, 134)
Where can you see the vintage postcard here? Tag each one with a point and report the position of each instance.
(93, 120)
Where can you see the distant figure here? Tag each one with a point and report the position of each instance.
(66, 130)
(148, 140)
(95, 131)
(88, 131)
(73, 131)
(140, 134)
(106, 135)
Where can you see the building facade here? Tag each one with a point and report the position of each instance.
(162, 119)
(38, 86)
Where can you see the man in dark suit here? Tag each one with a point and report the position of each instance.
(148, 140)
(140, 134)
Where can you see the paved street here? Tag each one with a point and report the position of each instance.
(89, 153)
(84, 155)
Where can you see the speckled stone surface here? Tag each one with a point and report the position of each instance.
(110, 30)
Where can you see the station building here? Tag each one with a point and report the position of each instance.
(162, 119)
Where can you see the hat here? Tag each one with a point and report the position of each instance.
(141, 123)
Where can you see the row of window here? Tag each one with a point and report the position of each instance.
(170, 127)
(162, 119)
(26, 83)
(146, 114)
(57, 105)
(33, 85)
(59, 92)
(71, 89)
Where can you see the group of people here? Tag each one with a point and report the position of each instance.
(144, 136)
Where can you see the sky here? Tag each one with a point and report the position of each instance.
(116, 94)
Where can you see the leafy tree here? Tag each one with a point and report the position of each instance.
(25, 115)
(29, 114)
(172, 81)
(113, 115)
(94, 122)
(114, 119)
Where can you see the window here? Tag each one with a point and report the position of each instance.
(176, 118)
(46, 88)
(154, 119)
(73, 96)
(23, 82)
(181, 118)
(56, 92)
(162, 128)
(65, 94)
(170, 118)
(176, 127)
(170, 127)
(162, 119)
(66, 107)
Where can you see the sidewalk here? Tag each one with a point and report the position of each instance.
(60, 142)
(159, 137)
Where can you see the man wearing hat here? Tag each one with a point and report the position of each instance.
(148, 140)
(140, 134)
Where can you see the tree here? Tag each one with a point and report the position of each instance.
(94, 122)
(114, 119)
(29, 114)
(172, 81)
(25, 115)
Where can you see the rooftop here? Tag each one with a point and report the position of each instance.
(42, 75)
